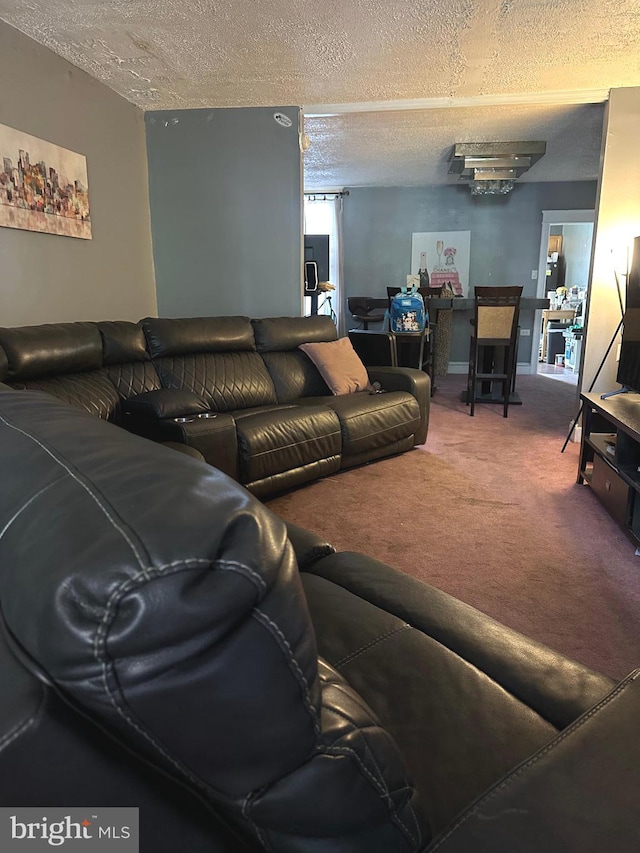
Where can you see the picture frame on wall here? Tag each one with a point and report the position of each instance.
(43, 187)
(447, 257)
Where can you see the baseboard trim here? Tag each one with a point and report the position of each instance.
(463, 367)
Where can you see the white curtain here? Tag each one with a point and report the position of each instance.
(323, 215)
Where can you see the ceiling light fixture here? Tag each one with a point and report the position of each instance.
(492, 167)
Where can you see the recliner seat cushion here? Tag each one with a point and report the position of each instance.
(370, 423)
(288, 439)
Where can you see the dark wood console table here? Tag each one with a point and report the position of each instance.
(610, 455)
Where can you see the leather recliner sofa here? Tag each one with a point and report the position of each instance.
(168, 644)
(239, 391)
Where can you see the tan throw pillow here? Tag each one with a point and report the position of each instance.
(339, 365)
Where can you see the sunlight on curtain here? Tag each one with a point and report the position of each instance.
(324, 216)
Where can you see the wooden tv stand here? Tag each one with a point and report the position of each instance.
(610, 455)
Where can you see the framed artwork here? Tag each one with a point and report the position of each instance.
(43, 187)
(445, 255)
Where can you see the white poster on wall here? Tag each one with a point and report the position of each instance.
(445, 255)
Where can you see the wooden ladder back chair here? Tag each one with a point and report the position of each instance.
(495, 330)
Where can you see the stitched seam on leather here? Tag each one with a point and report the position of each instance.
(206, 432)
(411, 424)
(282, 447)
(100, 654)
(85, 486)
(355, 698)
(19, 512)
(366, 414)
(293, 664)
(370, 645)
(538, 756)
(22, 727)
(246, 804)
(371, 753)
(235, 566)
(378, 784)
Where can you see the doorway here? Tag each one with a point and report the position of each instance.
(323, 215)
(563, 277)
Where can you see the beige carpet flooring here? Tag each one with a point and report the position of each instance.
(489, 510)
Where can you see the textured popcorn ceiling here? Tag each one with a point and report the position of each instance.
(170, 54)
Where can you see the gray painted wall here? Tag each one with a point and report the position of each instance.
(505, 238)
(49, 278)
(226, 211)
(576, 248)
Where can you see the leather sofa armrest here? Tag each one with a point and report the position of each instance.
(580, 792)
(184, 448)
(165, 403)
(308, 546)
(557, 688)
(212, 435)
(416, 382)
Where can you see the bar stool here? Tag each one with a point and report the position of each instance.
(494, 338)
(366, 309)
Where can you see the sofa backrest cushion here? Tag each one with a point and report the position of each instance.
(4, 365)
(165, 602)
(287, 333)
(51, 349)
(122, 341)
(62, 359)
(126, 359)
(215, 357)
(294, 375)
(278, 339)
(167, 337)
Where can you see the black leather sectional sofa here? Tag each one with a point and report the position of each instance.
(236, 390)
(168, 644)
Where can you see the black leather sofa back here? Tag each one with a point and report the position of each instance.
(63, 359)
(215, 357)
(294, 375)
(125, 358)
(225, 692)
(239, 392)
(4, 365)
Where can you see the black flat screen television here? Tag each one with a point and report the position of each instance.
(629, 364)
(316, 248)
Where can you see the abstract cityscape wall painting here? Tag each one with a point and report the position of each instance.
(43, 187)
(445, 255)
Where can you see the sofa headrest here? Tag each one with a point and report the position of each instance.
(158, 594)
(122, 342)
(4, 364)
(197, 334)
(52, 348)
(286, 333)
